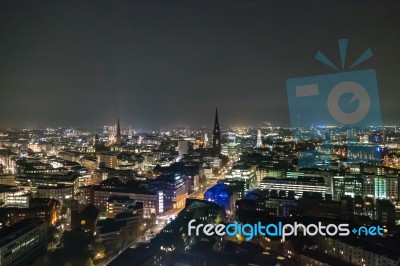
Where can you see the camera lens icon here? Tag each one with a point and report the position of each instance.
(359, 94)
(339, 99)
(330, 105)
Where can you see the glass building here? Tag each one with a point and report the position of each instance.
(347, 186)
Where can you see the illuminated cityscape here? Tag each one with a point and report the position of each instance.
(130, 194)
(130, 132)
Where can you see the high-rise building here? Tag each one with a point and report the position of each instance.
(183, 147)
(246, 173)
(174, 188)
(259, 140)
(205, 140)
(216, 136)
(381, 186)
(349, 185)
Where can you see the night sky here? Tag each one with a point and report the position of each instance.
(158, 63)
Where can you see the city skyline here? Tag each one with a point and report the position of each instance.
(159, 64)
(202, 132)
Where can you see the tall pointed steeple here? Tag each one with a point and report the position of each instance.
(118, 137)
(216, 136)
(216, 117)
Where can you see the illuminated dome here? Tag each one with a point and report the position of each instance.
(219, 194)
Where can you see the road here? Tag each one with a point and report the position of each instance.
(156, 229)
(160, 224)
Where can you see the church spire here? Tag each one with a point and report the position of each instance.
(216, 136)
(118, 137)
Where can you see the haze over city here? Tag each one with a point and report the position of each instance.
(163, 63)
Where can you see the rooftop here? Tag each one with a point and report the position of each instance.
(17, 230)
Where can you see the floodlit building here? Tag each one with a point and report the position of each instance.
(299, 185)
(18, 199)
(107, 159)
(222, 195)
(347, 186)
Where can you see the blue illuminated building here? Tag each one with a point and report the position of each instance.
(221, 195)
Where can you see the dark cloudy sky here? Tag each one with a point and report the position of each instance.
(154, 63)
